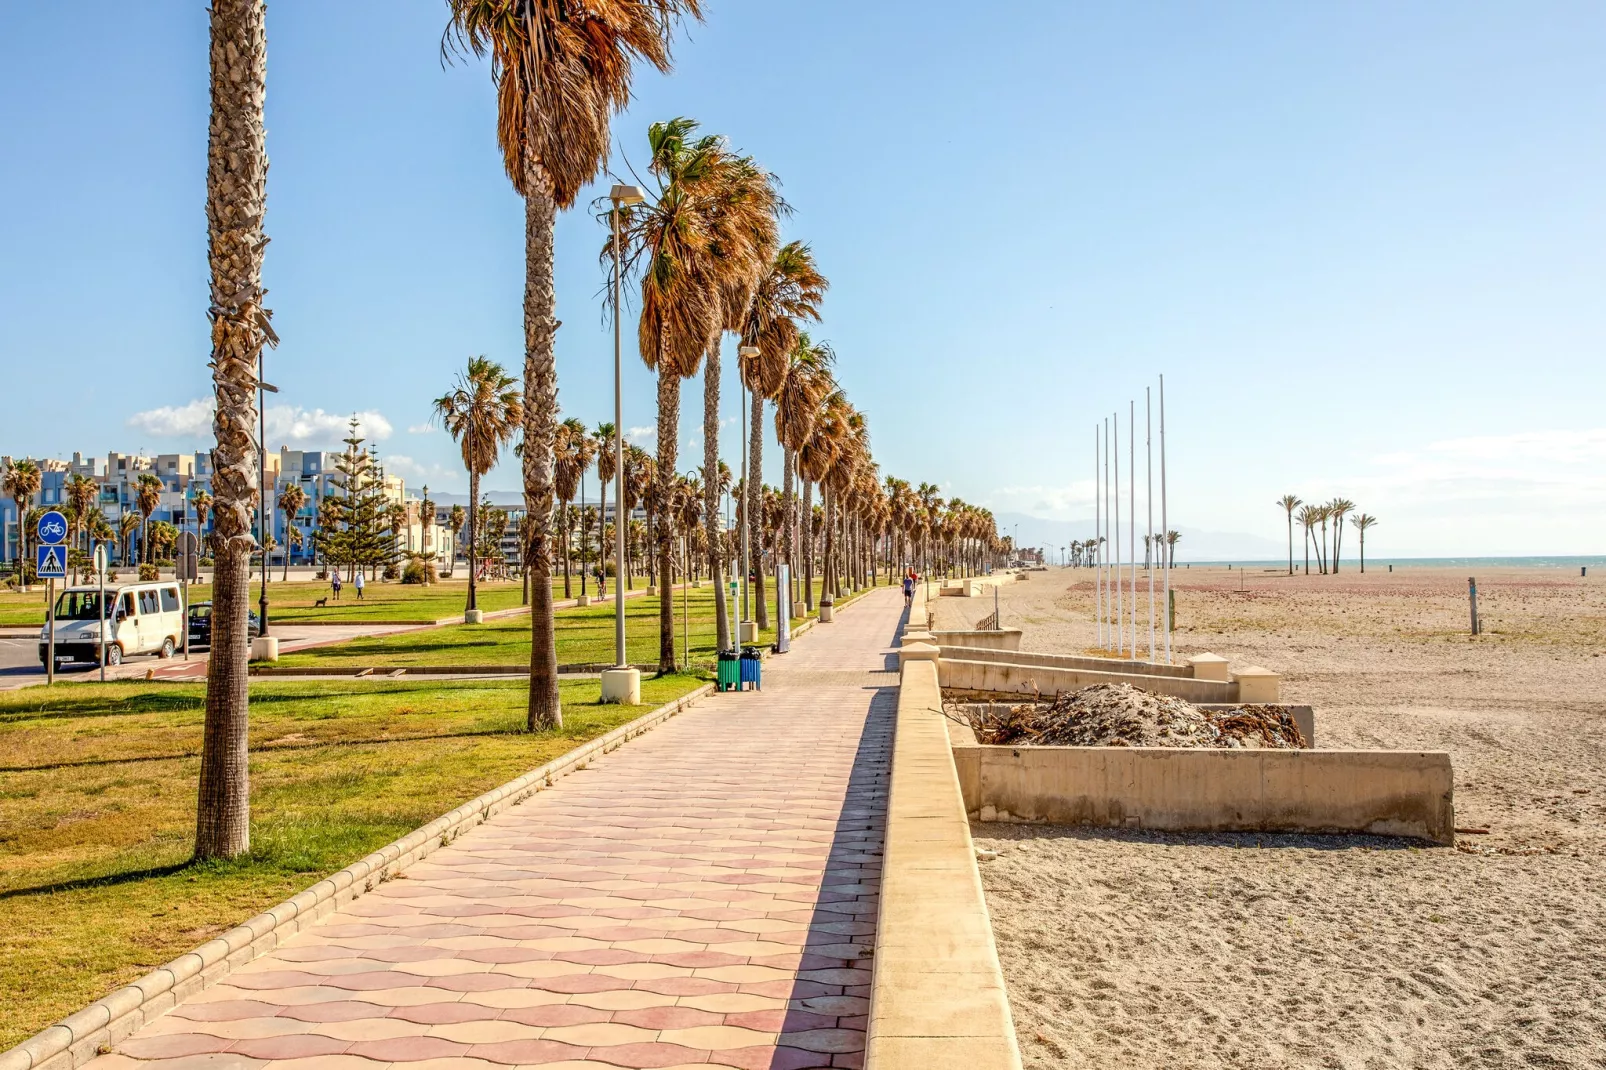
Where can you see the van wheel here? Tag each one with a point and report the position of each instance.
(114, 655)
(167, 647)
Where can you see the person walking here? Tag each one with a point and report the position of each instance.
(334, 582)
(909, 588)
(359, 585)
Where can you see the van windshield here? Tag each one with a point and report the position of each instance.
(78, 605)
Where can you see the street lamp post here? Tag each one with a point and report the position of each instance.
(265, 505)
(621, 683)
(746, 633)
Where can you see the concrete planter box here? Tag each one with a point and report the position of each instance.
(1386, 793)
(990, 678)
(973, 639)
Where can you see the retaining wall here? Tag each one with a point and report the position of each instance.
(1387, 793)
(1304, 716)
(1006, 678)
(998, 639)
(1015, 656)
(937, 997)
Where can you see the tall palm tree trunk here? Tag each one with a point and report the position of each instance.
(808, 545)
(668, 458)
(236, 195)
(755, 506)
(1290, 542)
(716, 570)
(540, 431)
(829, 500)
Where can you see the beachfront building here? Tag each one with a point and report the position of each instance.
(183, 475)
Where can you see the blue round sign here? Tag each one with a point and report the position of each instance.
(52, 528)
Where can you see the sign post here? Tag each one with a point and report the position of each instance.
(51, 560)
(189, 568)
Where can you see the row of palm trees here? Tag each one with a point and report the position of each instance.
(1086, 551)
(709, 261)
(86, 524)
(1314, 517)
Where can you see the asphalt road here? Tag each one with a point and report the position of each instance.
(20, 667)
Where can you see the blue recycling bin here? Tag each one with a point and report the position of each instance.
(752, 668)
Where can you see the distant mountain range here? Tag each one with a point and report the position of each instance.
(1195, 544)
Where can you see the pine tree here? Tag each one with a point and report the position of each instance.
(361, 536)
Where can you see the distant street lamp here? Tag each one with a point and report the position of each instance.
(265, 506)
(626, 682)
(745, 517)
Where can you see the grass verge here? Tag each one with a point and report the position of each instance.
(97, 809)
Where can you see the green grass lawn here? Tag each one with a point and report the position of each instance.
(97, 809)
(584, 636)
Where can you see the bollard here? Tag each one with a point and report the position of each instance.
(1472, 597)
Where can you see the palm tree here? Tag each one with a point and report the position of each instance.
(291, 501)
(127, 524)
(147, 496)
(482, 413)
(804, 388)
(568, 449)
(560, 68)
(202, 501)
(1338, 507)
(697, 249)
(1308, 516)
(236, 191)
(1171, 540)
(1360, 522)
(455, 519)
(81, 493)
(1289, 503)
(22, 482)
(789, 292)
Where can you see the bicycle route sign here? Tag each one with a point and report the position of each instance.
(53, 528)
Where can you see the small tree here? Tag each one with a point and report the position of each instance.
(1361, 522)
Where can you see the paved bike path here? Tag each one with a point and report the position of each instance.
(704, 896)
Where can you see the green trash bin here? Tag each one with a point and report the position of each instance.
(729, 676)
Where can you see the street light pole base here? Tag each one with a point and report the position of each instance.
(473, 616)
(265, 648)
(583, 600)
(622, 686)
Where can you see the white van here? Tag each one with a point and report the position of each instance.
(143, 618)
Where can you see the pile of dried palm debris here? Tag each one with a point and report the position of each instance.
(1120, 715)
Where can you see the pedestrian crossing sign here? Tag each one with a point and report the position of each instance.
(52, 562)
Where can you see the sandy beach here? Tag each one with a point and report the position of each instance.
(1151, 950)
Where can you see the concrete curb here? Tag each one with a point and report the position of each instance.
(79, 1037)
(937, 995)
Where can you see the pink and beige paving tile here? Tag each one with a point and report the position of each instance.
(705, 896)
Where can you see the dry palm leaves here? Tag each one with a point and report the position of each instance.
(1120, 715)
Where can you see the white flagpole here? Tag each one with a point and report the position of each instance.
(1165, 528)
(1098, 514)
(1148, 499)
(1120, 600)
(1132, 515)
(1104, 543)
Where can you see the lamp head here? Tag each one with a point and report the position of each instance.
(622, 194)
(748, 351)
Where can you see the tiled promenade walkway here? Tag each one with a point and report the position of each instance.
(704, 896)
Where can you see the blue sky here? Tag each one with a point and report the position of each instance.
(1366, 243)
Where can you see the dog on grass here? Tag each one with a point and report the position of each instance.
(320, 602)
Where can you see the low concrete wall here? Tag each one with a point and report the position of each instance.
(1002, 678)
(1387, 793)
(1014, 656)
(1002, 639)
(937, 998)
(1304, 716)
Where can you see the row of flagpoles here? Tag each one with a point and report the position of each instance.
(1118, 602)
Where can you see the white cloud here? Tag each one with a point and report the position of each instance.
(641, 436)
(286, 424)
(1073, 501)
(181, 421)
(291, 424)
(421, 429)
(417, 472)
